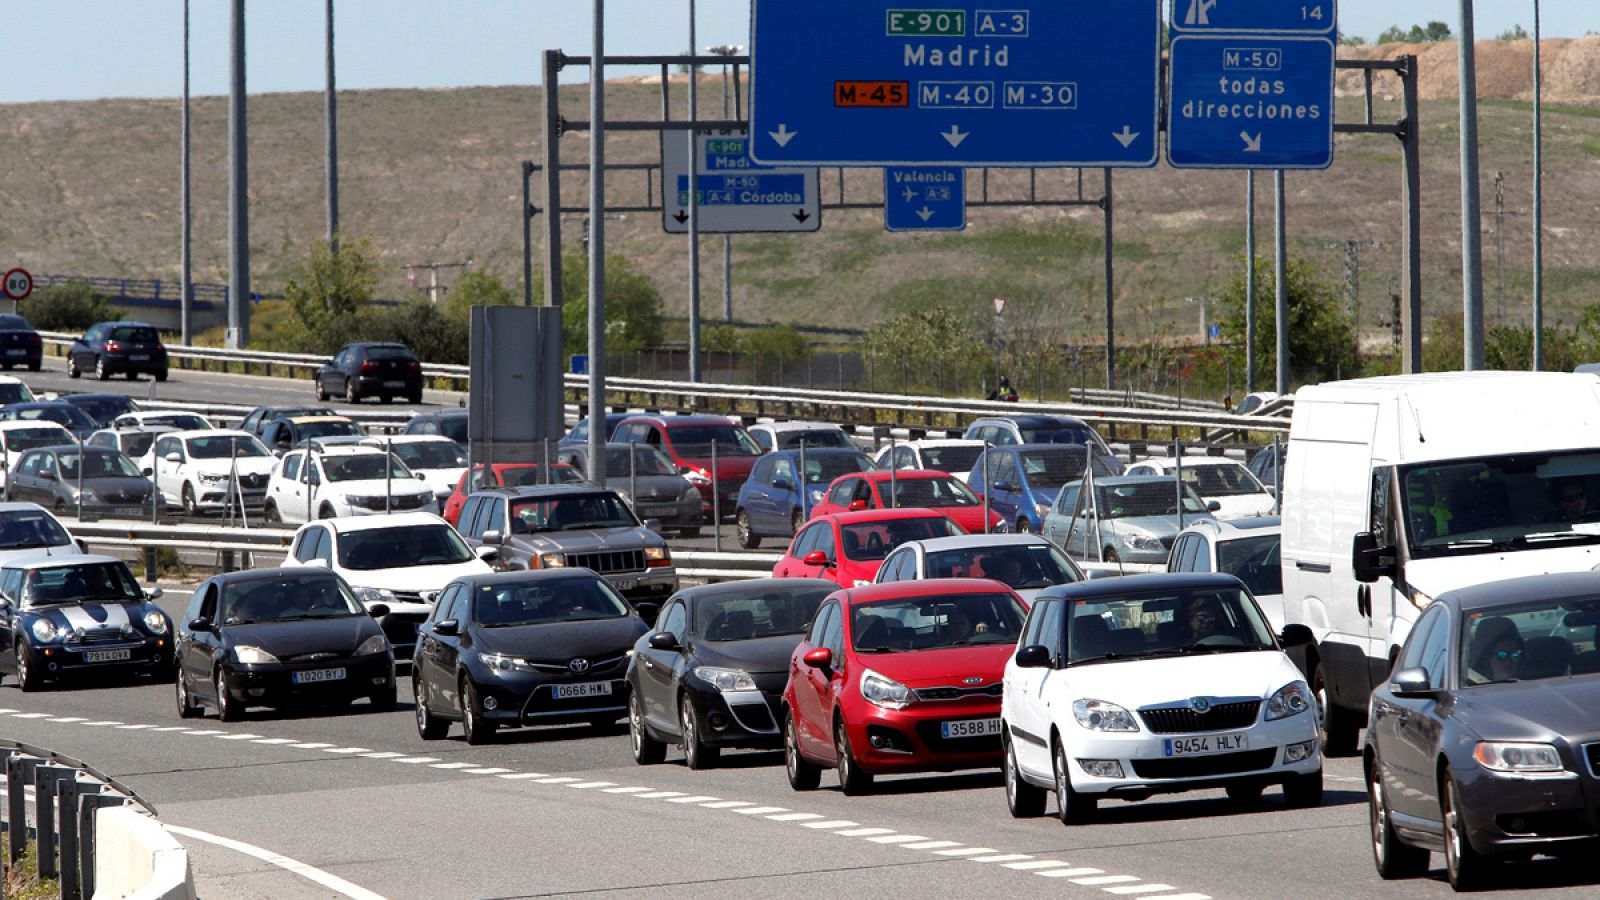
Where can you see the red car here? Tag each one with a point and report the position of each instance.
(504, 475)
(927, 488)
(847, 548)
(901, 677)
(687, 440)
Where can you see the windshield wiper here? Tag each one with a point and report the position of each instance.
(878, 650)
(1101, 657)
(1225, 648)
(1464, 542)
(1542, 536)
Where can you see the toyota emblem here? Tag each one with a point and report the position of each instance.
(579, 665)
(1200, 704)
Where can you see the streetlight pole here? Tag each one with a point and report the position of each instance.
(331, 158)
(1538, 201)
(238, 332)
(185, 288)
(1471, 247)
(727, 239)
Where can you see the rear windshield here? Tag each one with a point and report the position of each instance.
(61, 414)
(951, 459)
(43, 436)
(221, 446)
(1054, 468)
(390, 353)
(821, 437)
(101, 464)
(180, 421)
(15, 392)
(696, 440)
(14, 323)
(138, 443)
(454, 428)
(867, 541)
(329, 429)
(1254, 561)
(930, 492)
(561, 600)
(431, 455)
(824, 469)
(103, 409)
(134, 333)
(1222, 480)
(523, 476)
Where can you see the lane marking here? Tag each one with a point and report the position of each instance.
(310, 873)
(1139, 888)
(696, 798)
(1104, 879)
(559, 779)
(586, 785)
(728, 804)
(32, 715)
(414, 760)
(489, 771)
(170, 728)
(1069, 873)
(243, 736)
(864, 832)
(273, 741)
(964, 851)
(793, 817)
(1184, 897)
(930, 845)
(204, 731)
(345, 750)
(452, 765)
(102, 722)
(625, 790)
(66, 719)
(140, 727)
(897, 838)
(658, 795)
(309, 746)
(832, 823)
(522, 776)
(383, 754)
(1001, 857)
(761, 810)
(1038, 864)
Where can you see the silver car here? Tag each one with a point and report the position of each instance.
(1132, 519)
(1026, 563)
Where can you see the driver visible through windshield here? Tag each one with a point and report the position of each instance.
(934, 623)
(287, 599)
(1212, 620)
(570, 512)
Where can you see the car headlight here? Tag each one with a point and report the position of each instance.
(499, 662)
(1098, 715)
(214, 477)
(1041, 509)
(374, 595)
(156, 622)
(44, 631)
(1503, 756)
(363, 502)
(253, 656)
(695, 476)
(552, 561)
(1140, 541)
(816, 495)
(1001, 527)
(87, 495)
(880, 690)
(1290, 700)
(725, 679)
(657, 553)
(373, 645)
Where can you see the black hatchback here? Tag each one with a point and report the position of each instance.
(19, 344)
(118, 348)
(385, 371)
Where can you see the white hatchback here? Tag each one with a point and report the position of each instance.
(437, 460)
(1151, 684)
(1236, 492)
(343, 480)
(210, 469)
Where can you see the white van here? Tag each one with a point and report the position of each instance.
(1400, 488)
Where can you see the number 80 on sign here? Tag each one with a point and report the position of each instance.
(18, 284)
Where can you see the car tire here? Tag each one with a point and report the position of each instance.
(320, 391)
(696, 754)
(28, 678)
(1465, 867)
(1392, 858)
(429, 728)
(325, 511)
(1111, 556)
(1303, 791)
(852, 780)
(1024, 526)
(100, 370)
(186, 706)
(472, 724)
(1339, 725)
(688, 532)
(270, 511)
(227, 710)
(414, 399)
(1024, 800)
(647, 751)
(35, 365)
(385, 700)
(1247, 793)
(72, 367)
(61, 507)
(797, 521)
(803, 774)
(159, 374)
(1072, 808)
(190, 507)
(748, 539)
(351, 393)
(386, 399)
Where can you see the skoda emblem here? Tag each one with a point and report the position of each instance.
(975, 679)
(1200, 704)
(579, 665)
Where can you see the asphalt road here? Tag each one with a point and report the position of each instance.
(564, 811)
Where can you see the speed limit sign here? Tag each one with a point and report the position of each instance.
(18, 284)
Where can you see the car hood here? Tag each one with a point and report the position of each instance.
(651, 487)
(1144, 682)
(91, 616)
(338, 636)
(248, 465)
(1046, 495)
(441, 481)
(413, 579)
(1159, 526)
(1538, 710)
(589, 540)
(1238, 506)
(941, 668)
(374, 487)
(594, 639)
(729, 468)
(137, 487)
(758, 656)
(68, 549)
(1440, 574)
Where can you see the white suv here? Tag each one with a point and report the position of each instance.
(203, 469)
(343, 480)
(1150, 684)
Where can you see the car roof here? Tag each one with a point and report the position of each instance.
(781, 427)
(1122, 586)
(667, 421)
(1250, 526)
(824, 451)
(279, 572)
(127, 322)
(1122, 480)
(882, 475)
(10, 379)
(136, 429)
(307, 420)
(963, 541)
(46, 560)
(1189, 462)
(212, 432)
(937, 442)
(95, 395)
(1029, 419)
(440, 414)
(1528, 588)
(524, 575)
(554, 490)
(22, 506)
(346, 450)
(13, 424)
(346, 524)
(745, 586)
(366, 344)
(379, 440)
(931, 588)
(881, 515)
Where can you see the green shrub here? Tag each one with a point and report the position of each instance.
(72, 306)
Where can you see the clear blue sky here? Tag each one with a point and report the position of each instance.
(83, 49)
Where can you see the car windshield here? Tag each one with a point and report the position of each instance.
(138, 443)
(1145, 498)
(525, 476)
(15, 392)
(23, 529)
(402, 546)
(1059, 434)
(1500, 503)
(929, 492)
(288, 598)
(60, 413)
(362, 467)
(454, 428)
(819, 437)
(646, 461)
(1057, 467)
(1020, 566)
(1168, 622)
(1254, 561)
(273, 413)
(108, 582)
(570, 512)
(696, 440)
(135, 333)
(1545, 638)
(951, 459)
(14, 323)
(390, 352)
(180, 421)
(935, 622)
(99, 464)
(826, 467)
(330, 428)
(103, 409)
(431, 455)
(1229, 479)
(544, 601)
(42, 436)
(224, 445)
(868, 541)
(761, 611)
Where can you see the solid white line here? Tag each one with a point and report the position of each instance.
(1138, 889)
(930, 845)
(1068, 873)
(964, 851)
(1105, 879)
(832, 823)
(330, 881)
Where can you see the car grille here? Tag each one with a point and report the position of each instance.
(755, 717)
(123, 496)
(253, 481)
(1205, 766)
(102, 636)
(609, 561)
(564, 667)
(932, 736)
(958, 693)
(1183, 720)
(318, 656)
(409, 501)
(1591, 752)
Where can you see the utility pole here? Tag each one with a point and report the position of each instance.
(238, 331)
(597, 246)
(185, 284)
(727, 239)
(1538, 200)
(695, 373)
(331, 155)
(1352, 278)
(1471, 227)
(433, 268)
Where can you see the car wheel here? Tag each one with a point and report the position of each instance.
(27, 678)
(1303, 791)
(321, 392)
(1245, 793)
(190, 508)
(227, 710)
(35, 366)
(748, 539)
(100, 370)
(852, 780)
(1392, 858)
(689, 533)
(1072, 808)
(1111, 556)
(186, 707)
(695, 753)
(386, 399)
(72, 367)
(131, 375)
(414, 399)
(351, 395)
(1025, 801)
(1465, 867)
(797, 521)
(477, 730)
(647, 751)
(1024, 526)
(803, 775)
(159, 374)
(325, 511)
(1339, 726)
(428, 727)
(385, 699)
(61, 507)
(270, 511)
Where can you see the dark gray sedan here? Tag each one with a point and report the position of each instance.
(649, 482)
(108, 483)
(1484, 744)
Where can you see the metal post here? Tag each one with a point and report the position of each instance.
(1277, 477)
(987, 487)
(1471, 249)
(716, 502)
(238, 333)
(894, 479)
(800, 483)
(1538, 199)
(1281, 262)
(1250, 281)
(1111, 332)
(695, 374)
(388, 476)
(79, 498)
(1411, 252)
(331, 160)
(552, 180)
(1177, 459)
(67, 791)
(185, 288)
(19, 773)
(45, 778)
(597, 243)
(633, 472)
(527, 235)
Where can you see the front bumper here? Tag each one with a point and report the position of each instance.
(217, 496)
(674, 513)
(56, 660)
(516, 698)
(651, 585)
(1147, 769)
(1505, 812)
(274, 685)
(739, 718)
(910, 739)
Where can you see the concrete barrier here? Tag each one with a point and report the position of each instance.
(136, 858)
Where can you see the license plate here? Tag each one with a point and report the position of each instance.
(965, 728)
(1199, 746)
(313, 676)
(139, 357)
(106, 655)
(587, 689)
(394, 384)
(624, 584)
(17, 352)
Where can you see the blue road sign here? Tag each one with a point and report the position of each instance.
(940, 82)
(1251, 103)
(924, 199)
(580, 363)
(736, 194)
(1305, 17)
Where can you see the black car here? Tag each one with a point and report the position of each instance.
(118, 348)
(385, 371)
(712, 674)
(257, 420)
(579, 435)
(1484, 742)
(79, 615)
(102, 408)
(66, 415)
(524, 648)
(279, 638)
(19, 344)
(452, 423)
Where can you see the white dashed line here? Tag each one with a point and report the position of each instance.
(1069, 873)
(624, 790)
(346, 750)
(245, 736)
(311, 746)
(1038, 864)
(522, 776)
(964, 851)
(103, 722)
(864, 832)
(696, 798)
(793, 817)
(67, 720)
(142, 727)
(1104, 879)
(1184, 897)
(32, 715)
(488, 771)
(832, 823)
(761, 810)
(897, 839)
(270, 740)
(1001, 857)
(586, 785)
(659, 795)
(930, 845)
(1138, 889)
(382, 754)
(557, 780)
(202, 732)
(452, 765)
(415, 760)
(165, 728)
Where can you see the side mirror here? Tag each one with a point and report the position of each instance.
(1003, 486)
(487, 553)
(653, 524)
(173, 457)
(820, 658)
(857, 505)
(1213, 505)
(783, 484)
(154, 594)
(1296, 636)
(47, 475)
(817, 558)
(664, 640)
(200, 624)
(420, 476)
(493, 537)
(1033, 656)
(448, 628)
(1412, 682)
(378, 610)
(1368, 559)
(147, 472)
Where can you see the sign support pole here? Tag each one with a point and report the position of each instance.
(1250, 281)
(1111, 331)
(1281, 262)
(552, 179)
(693, 136)
(597, 245)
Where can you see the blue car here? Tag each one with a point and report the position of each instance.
(579, 435)
(1023, 479)
(771, 504)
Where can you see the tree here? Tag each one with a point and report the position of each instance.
(772, 350)
(1514, 33)
(1432, 32)
(928, 342)
(328, 289)
(1322, 339)
(1392, 35)
(72, 306)
(475, 287)
(427, 329)
(1352, 40)
(633, 306)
